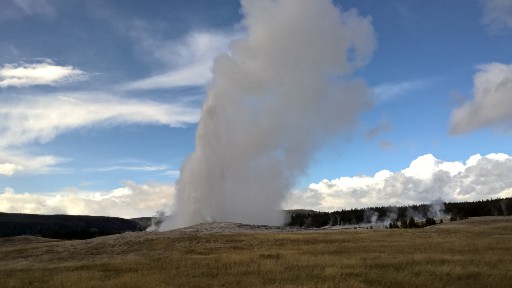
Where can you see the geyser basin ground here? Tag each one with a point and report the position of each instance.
(472, 253)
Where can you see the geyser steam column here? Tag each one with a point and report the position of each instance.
(281, 92)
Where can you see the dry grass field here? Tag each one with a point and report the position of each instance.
(470, 253)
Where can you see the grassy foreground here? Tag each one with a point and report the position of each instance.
(471, 254)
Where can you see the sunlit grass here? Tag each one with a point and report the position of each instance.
(468, 256)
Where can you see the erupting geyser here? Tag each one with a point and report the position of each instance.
(282, 91)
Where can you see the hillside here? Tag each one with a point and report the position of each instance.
(63, 226)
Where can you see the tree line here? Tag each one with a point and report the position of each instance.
(401, 216)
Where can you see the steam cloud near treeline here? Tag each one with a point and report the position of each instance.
(281, 91)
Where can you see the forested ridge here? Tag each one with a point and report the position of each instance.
(63, 226)
(400, 216)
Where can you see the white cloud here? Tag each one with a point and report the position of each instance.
(131, 200)
(424, 167)
(8, 169)
(31, 119)
(189, 60)
(425, 180)
(497, 14)
(26, 120)
(196, 74)
(492, 103)
(45, 73)
(19, 162)
(146, 168)
(174, 173)
(389, 91)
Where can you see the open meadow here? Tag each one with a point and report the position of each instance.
(471, 253)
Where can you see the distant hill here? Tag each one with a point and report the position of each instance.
(144, 222)
(64, 226)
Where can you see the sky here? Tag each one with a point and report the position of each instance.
(100, 101)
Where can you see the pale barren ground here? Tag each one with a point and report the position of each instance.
(471, 253)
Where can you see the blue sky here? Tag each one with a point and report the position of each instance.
(102, 98)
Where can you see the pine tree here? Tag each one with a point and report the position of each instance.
(411, 223)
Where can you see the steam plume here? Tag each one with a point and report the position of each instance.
(282, 91)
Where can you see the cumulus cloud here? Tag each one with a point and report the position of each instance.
(45, 73)
(425, 180)
(31, 119)
(8, 169)
(497, 14)
(492, 103)
(189, 60)
(131, 200)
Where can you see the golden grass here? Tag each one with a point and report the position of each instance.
(465, 256)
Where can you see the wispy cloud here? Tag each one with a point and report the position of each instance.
(386, 145)
(130, 168)
(173, 173)
(40, 119)
(15, 9)
(180, 62)
(43, 73)
(187, 61)
(14, 162)
(27, 120)
(497, 15)
(196, 74)
(382, 127)
(389, 91)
